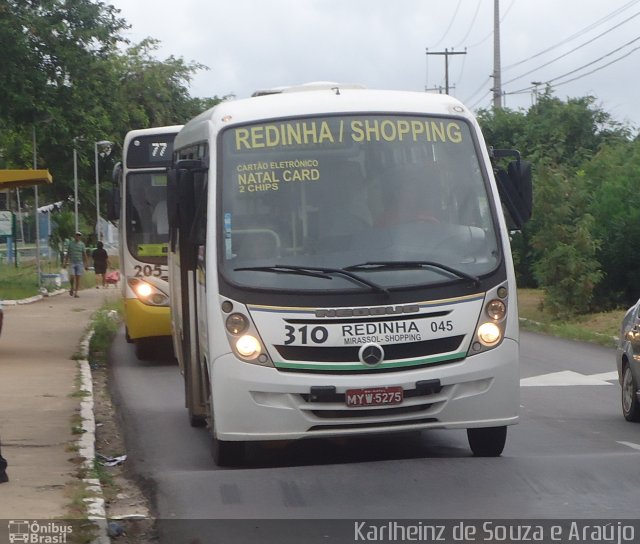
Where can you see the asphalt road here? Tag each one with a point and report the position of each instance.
(572, 456)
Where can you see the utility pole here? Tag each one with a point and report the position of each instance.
(446, 54)
(497, 76)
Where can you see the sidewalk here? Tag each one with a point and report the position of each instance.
(37, 377)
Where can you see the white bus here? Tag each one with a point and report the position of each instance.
(340, 265)
(144, 232)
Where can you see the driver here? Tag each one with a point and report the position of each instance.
(413, 196)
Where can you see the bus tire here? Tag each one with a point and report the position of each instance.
(225, 453)
(487, 441)
(145, 349)
(197, 420)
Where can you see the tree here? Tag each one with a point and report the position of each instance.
(613, 178)
(566, 266)
(64, 78)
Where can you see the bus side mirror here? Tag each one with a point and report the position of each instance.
(113, 203)
(522, 181)
(181, 205)
(172, 198)
(516, 191)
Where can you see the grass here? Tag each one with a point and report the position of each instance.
(598, 328)
(105, 323)
(22, 282)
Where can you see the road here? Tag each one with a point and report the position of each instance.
(572, 455)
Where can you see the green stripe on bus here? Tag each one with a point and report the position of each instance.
(361, 366)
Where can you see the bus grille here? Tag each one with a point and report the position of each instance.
(349, 354)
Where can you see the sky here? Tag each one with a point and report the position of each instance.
(582, 47)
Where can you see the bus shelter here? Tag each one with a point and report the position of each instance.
(18, 179)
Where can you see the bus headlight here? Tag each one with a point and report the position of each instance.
(147, 293)
(491, 327)
(489, 334)
(248, 346)
(496, 309)
(236, 323)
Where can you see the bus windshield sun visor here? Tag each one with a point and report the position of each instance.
(317, 272)
(387, 265)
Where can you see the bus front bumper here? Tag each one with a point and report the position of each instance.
(256, 403)
(144, 321)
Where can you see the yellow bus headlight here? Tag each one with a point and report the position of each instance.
(489, 334)
(147, 293)
(248, 346)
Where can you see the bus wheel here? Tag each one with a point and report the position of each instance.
(145, 349)
(225, 453)
(487, 441)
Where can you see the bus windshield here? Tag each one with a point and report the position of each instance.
(336, 192)
(146, 216)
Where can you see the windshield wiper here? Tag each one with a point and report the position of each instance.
(316, 272)
(389, 265)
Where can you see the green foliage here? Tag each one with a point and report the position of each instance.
(65, 76)
(62, 231)
(105, 323)
(584, 203)
(566, 266)
(613, 178)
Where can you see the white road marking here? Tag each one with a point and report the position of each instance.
(607, 376)
(567, 378)
(630, 444)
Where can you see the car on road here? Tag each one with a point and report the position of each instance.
(628, 363)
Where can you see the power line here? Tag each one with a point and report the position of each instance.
(491, 33)
(473, 20)
(586, 65)
(484, 83)
(446, 53)
(575, 35)
(599, 68)
(453, 18)
(574, 49)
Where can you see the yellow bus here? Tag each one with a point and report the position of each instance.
(143, 235)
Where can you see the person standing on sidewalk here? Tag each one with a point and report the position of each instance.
(77, 257)
(3, 470)
(100, 263)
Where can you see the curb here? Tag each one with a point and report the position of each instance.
(96, 512)
(32, 299)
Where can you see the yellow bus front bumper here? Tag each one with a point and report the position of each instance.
(144, 321)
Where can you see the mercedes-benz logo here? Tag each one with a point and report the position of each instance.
(371, 354)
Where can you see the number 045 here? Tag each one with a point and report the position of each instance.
(441, 326)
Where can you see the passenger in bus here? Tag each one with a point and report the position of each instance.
(159, 218)
(344, 208)
(413, 193)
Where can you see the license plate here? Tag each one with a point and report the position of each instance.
(374, 396)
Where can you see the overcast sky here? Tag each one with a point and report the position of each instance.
(256, 44)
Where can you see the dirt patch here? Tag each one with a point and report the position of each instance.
(126, 503)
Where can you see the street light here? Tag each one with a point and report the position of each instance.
(107, 144)
(75, 182)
